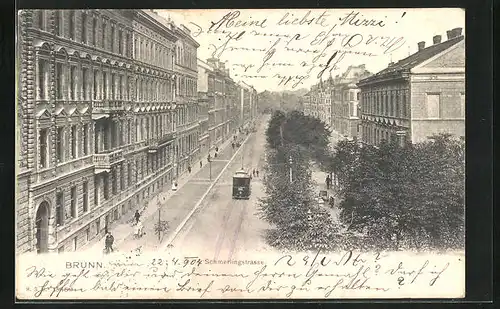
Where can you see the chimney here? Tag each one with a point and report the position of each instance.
(212, 62)
(436, 39)
(449, 34)
(421, 45)
(456, 32)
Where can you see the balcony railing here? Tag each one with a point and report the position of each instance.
(104, 161)
(106, 107)
(153, 145)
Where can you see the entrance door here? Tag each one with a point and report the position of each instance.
(106, 224)
(42, 228)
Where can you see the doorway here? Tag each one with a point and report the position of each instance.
(42, 228)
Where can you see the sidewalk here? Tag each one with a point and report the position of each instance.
(123, 229)
(318, 177)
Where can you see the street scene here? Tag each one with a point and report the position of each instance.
(151, 130)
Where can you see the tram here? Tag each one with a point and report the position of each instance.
(241, 185)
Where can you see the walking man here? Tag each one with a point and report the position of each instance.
(201, 164)
(137, 216)
(109, 243)
(257, 172)
(328, 182)
(189, 169)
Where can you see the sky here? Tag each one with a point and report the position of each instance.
(282, 49)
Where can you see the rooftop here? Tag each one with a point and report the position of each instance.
(416, 58)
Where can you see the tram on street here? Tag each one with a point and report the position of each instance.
(241, 185)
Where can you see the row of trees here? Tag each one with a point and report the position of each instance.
(403, 197)
(391, 197)
(298, 224)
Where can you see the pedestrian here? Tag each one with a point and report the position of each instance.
(137, 216)
(328, 182)
(257, 172)
(189, 168)
(201, 164)
(215, 154)
(174, 186)
(232, 145)
(253, 172)
(216, 149)
(109, 243)
(208, 158)
(138, 229)
(332, 201)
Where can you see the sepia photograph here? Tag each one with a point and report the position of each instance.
(240, 154)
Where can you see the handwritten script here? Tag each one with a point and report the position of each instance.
(313, 275)
(291, 47)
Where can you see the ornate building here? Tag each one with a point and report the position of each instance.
(187, 149)
(418, 96)
(345, 98)
(97, 120)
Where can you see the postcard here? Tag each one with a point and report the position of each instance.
(240, 154)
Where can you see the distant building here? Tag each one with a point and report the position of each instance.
(418, 96)
(345, 97)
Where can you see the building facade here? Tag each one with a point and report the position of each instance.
(204, 101)
(419, 96)
(98, 120)
(187, 148)
(345, 96)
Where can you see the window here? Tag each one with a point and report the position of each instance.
(73, 142)
(122, 178)
(112, 41)
(462, 104)
(103, 45)
(60, 80)
(85, 77)
(433, 105)
(105, 86)
(72, 25)
(72, 82)
(94, 32)
(57, 18)
(43, 78)
(73, 202)
(403, 104)
(59, 208)
(59, 144)
(97, 226)
(85, 196)
(42, 143)
(41, 19)
(129, 174)
(120, 41)
(114, 182)
(113, 81)
(95, 84)
(106, 186)
(85, 139)
(84, 28)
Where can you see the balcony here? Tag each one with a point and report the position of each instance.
(166, 138)
(104, 161)
(107, 107)
(153, 145)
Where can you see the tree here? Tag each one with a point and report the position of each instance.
(410, 196)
